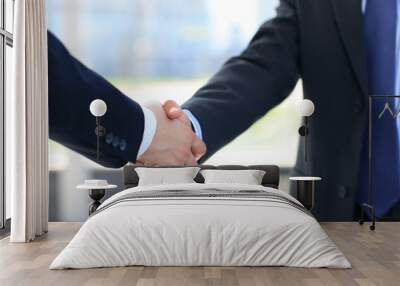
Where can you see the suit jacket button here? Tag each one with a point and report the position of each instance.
(122, 145)
(115, 142)
(342, 192)
(109, 138)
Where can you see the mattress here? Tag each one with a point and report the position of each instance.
(201, 225)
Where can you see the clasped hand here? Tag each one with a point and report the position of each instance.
(174, 142)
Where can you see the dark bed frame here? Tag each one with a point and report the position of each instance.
(270, 179)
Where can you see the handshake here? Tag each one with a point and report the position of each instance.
(174, 142)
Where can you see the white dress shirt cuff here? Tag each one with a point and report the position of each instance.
(150, 127)
(195, 123)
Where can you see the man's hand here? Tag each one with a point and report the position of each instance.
(174, 111)
(174, 142)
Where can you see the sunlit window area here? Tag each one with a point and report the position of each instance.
(6, 44)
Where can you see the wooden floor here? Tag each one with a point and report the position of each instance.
(375, 257)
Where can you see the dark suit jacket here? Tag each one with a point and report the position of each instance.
(72, 87)
(321, 42)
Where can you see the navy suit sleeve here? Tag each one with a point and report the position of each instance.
(72, 87)
(249, 85)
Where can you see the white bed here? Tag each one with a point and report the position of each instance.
(184, 230)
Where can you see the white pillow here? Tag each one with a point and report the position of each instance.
(164, 176)
(248, 177)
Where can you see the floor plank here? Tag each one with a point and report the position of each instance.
(375, 257)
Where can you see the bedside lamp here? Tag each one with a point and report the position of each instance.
(98, 108)
(306, 109)
(97, 188)
(306, 184)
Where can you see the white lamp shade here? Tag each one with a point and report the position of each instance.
(98, 107)
(306, 107)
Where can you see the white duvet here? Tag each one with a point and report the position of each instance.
(200, 231)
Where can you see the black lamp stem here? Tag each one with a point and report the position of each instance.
(305, 139)
(98, 138)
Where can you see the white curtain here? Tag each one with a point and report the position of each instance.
(27, 124)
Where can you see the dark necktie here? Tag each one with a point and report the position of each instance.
(380, 22)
